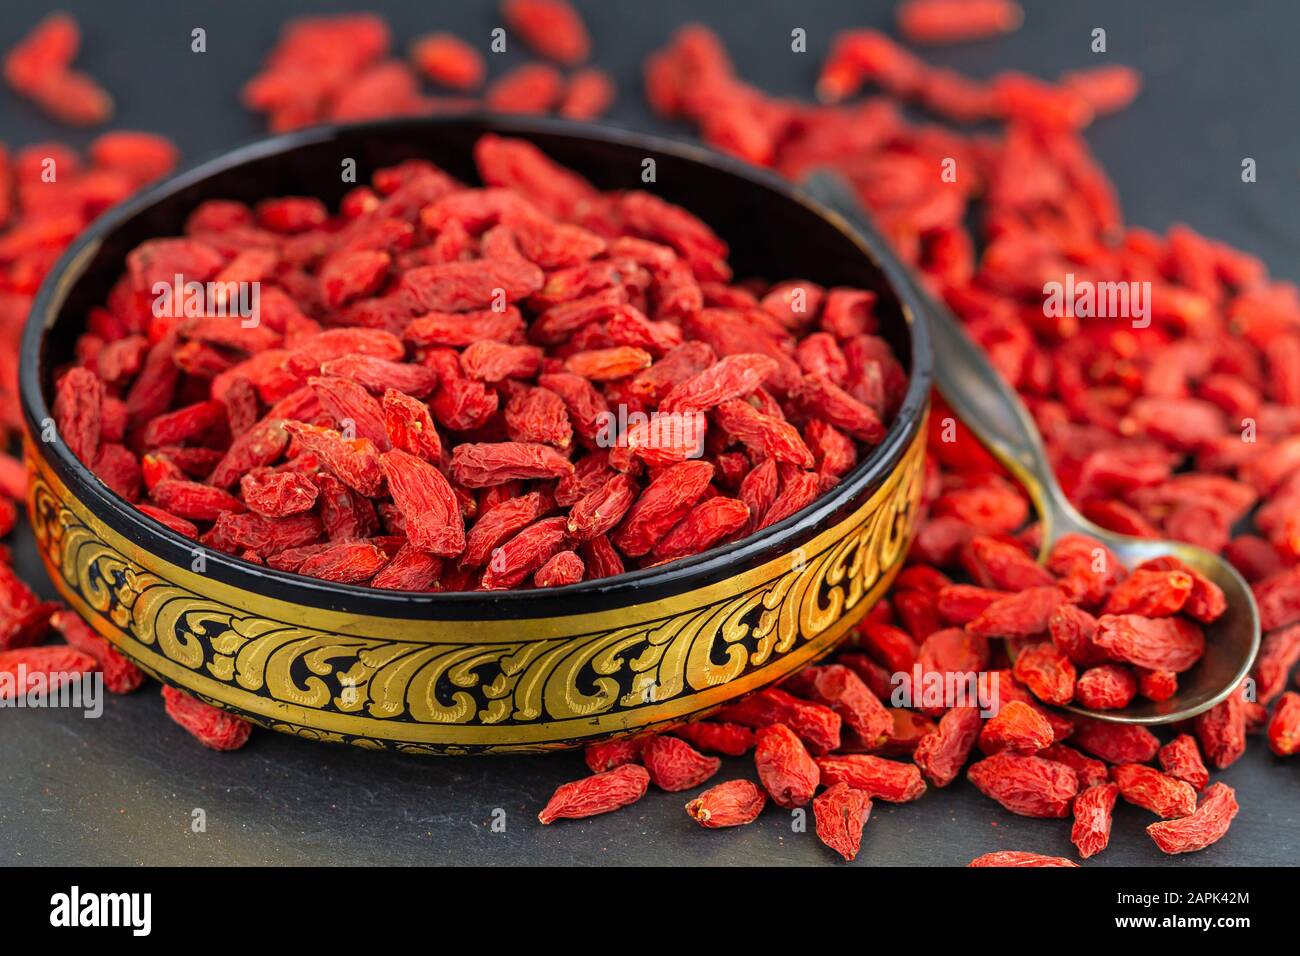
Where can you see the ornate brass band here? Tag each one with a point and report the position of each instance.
(441, 686)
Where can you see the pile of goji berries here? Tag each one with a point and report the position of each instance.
(431, 398)
(1188, 428)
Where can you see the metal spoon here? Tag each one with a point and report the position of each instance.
(993, 411)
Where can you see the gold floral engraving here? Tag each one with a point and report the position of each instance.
(424, 685)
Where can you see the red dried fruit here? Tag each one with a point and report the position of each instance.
(1153, 643)
(1284, 725)
(676, 765)
(78, 400)
(189, 499)
(1090, 772)
(731, 804)
(1181, 759)
(891, 646)
(449, 61)
(996, 564)
(708, 523)
(1278, 656)
(879, 778)
(844, 692)
(278, 494)
(484, 464)
(1148, 593)
(120, 675)
(348, 562)
(409, 570)
(1163, 795)
(209, 725)
(1018, 858)
(665, 501)
(609, 754)
(42, 668)
(1046, 671)
(426, 500)
(816, 725)
(734, 740)
(1093, 812)
(1025, 614)
(1107, 687)
(600, 793)
(531, 88)
(1116, 743)
(524, 553)
(1016, 727)
(785, 768)
(553, 28)
(589, 94)
(841, 812)
(1027, 785)
(562, 568)
(956, 21)
(942, 752)
(1157, 685)
(1207, 825)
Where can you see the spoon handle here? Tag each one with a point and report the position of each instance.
(969, 383)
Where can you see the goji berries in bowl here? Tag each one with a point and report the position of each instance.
(410, 499)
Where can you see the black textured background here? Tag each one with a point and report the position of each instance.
(1221, 84)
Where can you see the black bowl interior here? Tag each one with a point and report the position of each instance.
(774, 233)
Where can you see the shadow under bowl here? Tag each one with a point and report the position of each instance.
(479, 671)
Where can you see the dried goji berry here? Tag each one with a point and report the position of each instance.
(1106, 687)
(1028, 785)
(676, 765)
(731, 804)
(1163, 795)
(1181, 759)
(1093, 812)
(1018, 858)
(942, 752)
(816, 725)
(600, 793)
(1116, 743)
(1208, 824)
(785, 768)
(209, 725)
(880, 778)
(841, 812)
(120, 675)
(1016, 727)
(734, 740)
(1284, 725)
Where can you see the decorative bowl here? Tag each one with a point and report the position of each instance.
(481, 671)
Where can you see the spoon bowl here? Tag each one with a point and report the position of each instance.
(992, 410)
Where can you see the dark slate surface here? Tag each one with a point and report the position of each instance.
(1221, 85)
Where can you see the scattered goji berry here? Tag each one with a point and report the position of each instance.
(1208, 824)
(731, 804)
(209, 725)
(1028, 785)
(676, 765)
(600, 793)
(1093, 812)
(786, 770)
(1163, 795)
(1019, 858)
(841, 812)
